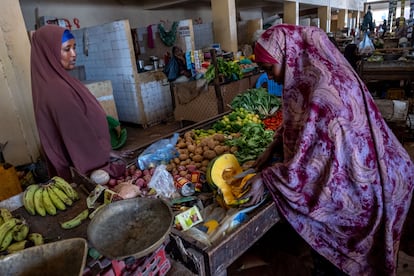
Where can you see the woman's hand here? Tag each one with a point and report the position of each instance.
(257, 191)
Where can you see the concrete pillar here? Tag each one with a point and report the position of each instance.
(342, 19)
(291, 12)
(324, 14)
(225, 24)
(17, 122)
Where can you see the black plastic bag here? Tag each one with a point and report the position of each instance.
(172, 70)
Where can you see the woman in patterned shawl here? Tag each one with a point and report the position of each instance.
(72, 125)
(345, 183)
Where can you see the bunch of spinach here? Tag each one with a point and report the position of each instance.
(252, 141)
(257, 100)
(229, 69)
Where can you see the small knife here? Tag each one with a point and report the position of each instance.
(244, 173)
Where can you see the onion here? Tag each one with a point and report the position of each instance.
(127, 190)
(138, 173)
(112, 182)
(100, 177)
(141, 183)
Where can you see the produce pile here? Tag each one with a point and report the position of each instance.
(15, 234)
(245, 132)
(229, 70)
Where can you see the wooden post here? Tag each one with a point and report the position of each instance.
(216, 82)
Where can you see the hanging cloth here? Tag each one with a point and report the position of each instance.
(150, 37)
(168, 38)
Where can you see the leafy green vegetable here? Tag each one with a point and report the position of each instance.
(229, 69)
(252, 142)
(257, 100)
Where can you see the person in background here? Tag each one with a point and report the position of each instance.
(351, 54)
(368, 24)
(184, 73)
(176, 69)
(345, 182)
(72, 125)
(384, 28)
(401, 27)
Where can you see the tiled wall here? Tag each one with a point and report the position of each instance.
(156, 97)
(107, 53)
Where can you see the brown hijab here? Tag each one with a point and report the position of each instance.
(72, 125)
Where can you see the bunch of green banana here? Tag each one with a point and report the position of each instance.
(12, 230)
(56, 195)
(33, 239)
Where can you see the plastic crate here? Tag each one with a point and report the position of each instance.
(156, 264)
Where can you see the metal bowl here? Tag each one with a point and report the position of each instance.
(65, 257)
(130, 228)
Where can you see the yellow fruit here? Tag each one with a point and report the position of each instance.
(47, 202)
(38, 202)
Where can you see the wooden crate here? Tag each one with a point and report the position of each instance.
(395, 94)
(214, 259)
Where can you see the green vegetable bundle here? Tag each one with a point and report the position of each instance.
(258, 101)
(253, 141)
(229, 69)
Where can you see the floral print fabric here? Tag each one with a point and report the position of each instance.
(346, 181)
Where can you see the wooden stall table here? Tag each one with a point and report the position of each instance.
(215, 259)
(196, 101)
(387, 70)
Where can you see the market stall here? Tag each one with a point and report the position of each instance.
(197, 101)
(199, 181)
(387, 70)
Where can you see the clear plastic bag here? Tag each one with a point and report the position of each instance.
(160, 152)
(162, 182)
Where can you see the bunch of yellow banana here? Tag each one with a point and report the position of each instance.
(56, 195)
(13, 232)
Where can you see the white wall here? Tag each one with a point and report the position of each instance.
(92, 14)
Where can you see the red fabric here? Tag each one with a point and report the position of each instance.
(346, 181)
(150, 37)
(72, 125)
(261, 55)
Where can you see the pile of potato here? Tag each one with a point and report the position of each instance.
(195, 153)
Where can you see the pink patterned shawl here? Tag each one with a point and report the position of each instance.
(72, 125)
(346, 181)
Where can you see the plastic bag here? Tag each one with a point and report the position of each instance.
(160, 152)
(172, 70)
(162, 182)
(366, 47)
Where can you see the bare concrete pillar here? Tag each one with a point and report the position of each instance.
(324, 14)
(291, 12)
(342, 19)
(225, 24)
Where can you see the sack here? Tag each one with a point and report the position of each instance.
(172, 70)
(366, 47)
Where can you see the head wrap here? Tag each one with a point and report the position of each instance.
(67, 35)
(261, 55)
(345, 184)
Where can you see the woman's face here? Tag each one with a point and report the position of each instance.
(273, 71)
(68, 54)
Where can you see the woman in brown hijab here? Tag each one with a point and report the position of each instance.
(72, 125)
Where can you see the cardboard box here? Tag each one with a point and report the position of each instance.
(103, 92)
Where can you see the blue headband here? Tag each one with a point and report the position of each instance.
(67, 35)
